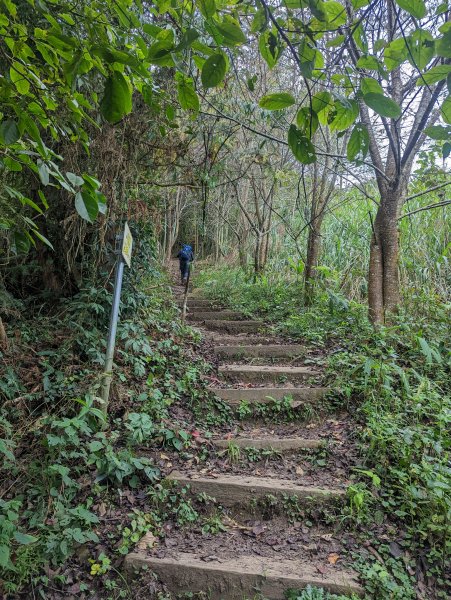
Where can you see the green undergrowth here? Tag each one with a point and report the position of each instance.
(76, 490)
(396, 381)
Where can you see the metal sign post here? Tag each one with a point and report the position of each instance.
(125, 256)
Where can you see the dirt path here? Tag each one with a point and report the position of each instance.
(276, 481)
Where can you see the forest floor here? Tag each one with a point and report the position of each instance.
(231, 465)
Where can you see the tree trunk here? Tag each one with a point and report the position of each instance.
(383, 279)
(312, 260)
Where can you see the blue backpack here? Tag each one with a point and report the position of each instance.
(186, 253)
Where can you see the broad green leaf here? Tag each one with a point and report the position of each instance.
(318, 9)
(27, 123)
(207, 7)
(322, 101)
(443, 45)
(438, 132)
(270, 48)
(301, 146)
(11, 164)
(307, 55)
(277, 101)
(75, 180)
(359, 143)
(360, 38)
(231, 33)
(19, 77)
(187, 96)
(420, 47)
(44, 173)
(434, 75)
(335, 14)
(383, 106)
(86, 206)
(446, 150)
(160, 53)
(368, 84)
(417, 8)
(368, 62)
(111, 55)
(91, 182)
(151, 29)
(101, 201)
(188, 37)
(336, 41)
(356, 4)
(307, 121)
(395, 53)
(24, 538)
(117, 98)
(346, 112)
(22, 242)
(445, 110)
(214, 70)
(260, 21)
(9, 132)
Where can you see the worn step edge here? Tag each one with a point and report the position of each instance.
(231, 490)
(267, 369)
(256, 351)
(261, 373)
(237, 578)
(200, 302)
(223, 315)
(280, 444)
(235, 396)
(235, 326)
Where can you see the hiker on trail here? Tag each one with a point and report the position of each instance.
(185, 256)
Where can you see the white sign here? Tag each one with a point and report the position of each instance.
(127, 244)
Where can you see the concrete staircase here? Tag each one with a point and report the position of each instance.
(239, 577)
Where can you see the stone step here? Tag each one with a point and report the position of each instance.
(233, 490)
(218, 315)
(199, 303)
(264, 373)
(234, 326)
(267, 394)
(240, 577)
(269, 443)
(274, 351)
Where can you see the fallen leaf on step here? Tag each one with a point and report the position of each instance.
(299, 471)
(164, 456)
(332, 558)
(147, 541)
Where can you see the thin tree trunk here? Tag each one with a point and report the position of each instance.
(375, 284)
(384, 295)
(312, 260)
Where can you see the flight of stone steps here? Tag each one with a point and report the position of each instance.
(243, 576)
